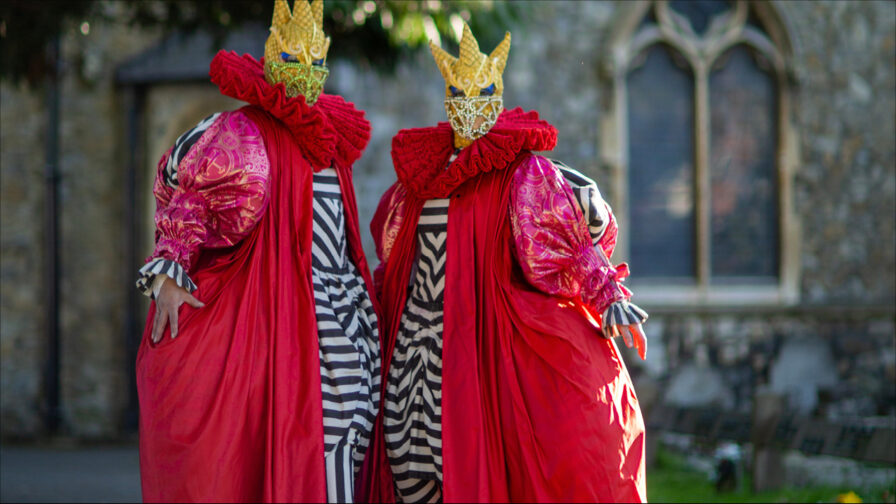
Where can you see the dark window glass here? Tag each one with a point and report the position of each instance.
(699, 12)
(744, 207)
(661, 166)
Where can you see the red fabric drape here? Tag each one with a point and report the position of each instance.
(230, 411)
(536, 406)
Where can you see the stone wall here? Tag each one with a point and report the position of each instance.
(21, 267)
(846, 184)
(830, 365)
(92, 271)
(833, 352)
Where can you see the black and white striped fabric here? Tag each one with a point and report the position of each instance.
(182, 146)
(622, 313)
(588, 196)
(162, 266)
(339, 465)
(413, 415)
(349, 343)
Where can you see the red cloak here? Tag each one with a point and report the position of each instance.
(231, 411)
(536, 406)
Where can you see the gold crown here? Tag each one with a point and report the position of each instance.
(298, 33)
(471, 70)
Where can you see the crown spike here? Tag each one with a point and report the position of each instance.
(317, 9)
(469, 48)
(443, 60)
(499, 55)
(282, 14)
(301, 16)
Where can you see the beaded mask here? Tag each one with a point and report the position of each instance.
(296, 51)
(473, 86)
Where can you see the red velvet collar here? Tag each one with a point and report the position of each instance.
(420, 154)
(330, 131)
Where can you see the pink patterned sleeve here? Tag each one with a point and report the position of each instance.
(384, 227)
(607, 239)
(221, 194)
(553, 244)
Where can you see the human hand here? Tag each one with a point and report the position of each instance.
(168, 302)
(633, 335)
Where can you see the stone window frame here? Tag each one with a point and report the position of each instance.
(627, 40)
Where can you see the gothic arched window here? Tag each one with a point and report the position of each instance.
(698, 139)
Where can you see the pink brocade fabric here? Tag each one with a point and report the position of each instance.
(222, 194)
(386, 224)
(553, 246)
(394, 201)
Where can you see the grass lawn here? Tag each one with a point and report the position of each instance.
(672, 481)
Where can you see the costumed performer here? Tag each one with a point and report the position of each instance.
(269, 384)
(499, 308)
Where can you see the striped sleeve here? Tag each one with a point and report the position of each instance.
(622, 313)
(167, 267)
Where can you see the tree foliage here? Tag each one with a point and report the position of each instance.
(375, 31)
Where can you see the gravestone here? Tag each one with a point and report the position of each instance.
(882, 447)
(852, 442)
(768, 461)
(815, 436)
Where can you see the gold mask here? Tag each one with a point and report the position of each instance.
(299, 36)
(473, 86)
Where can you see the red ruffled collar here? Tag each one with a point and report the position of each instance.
(420, 154)
(330, 131)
